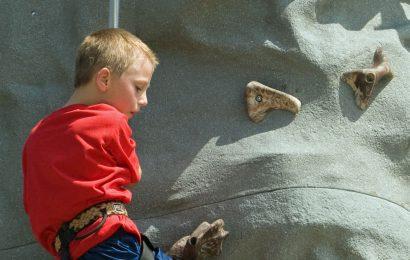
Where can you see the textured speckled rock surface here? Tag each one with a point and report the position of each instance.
(331, 183)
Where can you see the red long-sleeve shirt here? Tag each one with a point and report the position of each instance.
(76, 157)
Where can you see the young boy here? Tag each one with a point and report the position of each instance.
(79, 161)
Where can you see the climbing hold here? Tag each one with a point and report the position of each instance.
(260, 99)
(205, 241)
(363, 81)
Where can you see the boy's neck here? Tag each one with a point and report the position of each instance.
(85, 94)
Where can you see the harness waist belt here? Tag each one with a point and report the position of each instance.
(69, 230)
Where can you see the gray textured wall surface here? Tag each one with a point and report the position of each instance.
(332, 183)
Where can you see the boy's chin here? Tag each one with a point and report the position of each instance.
(131, 115)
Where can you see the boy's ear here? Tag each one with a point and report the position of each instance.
(102, 78)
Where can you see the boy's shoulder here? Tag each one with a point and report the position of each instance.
(97, 109)
(100, 111)
(83, 118)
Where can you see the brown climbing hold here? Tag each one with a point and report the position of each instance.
(260, 99)
(363, 81)
(205, 241)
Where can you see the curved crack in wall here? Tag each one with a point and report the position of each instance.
(249, 194)
(18, 246)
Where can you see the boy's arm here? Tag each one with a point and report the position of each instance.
(122, 147)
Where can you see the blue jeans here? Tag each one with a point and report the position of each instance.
(121, 245)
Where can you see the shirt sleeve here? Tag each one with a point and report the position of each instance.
(123, 149)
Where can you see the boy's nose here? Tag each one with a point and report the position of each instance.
(143, 100)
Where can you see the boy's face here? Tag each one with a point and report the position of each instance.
(128, 92)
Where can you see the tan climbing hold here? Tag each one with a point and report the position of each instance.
(260, 99)
(205, 241)
(363, 81)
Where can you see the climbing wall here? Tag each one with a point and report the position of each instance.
(332, 182)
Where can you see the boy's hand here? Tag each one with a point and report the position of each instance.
(129, 186)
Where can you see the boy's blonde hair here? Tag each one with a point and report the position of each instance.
(113, 48)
